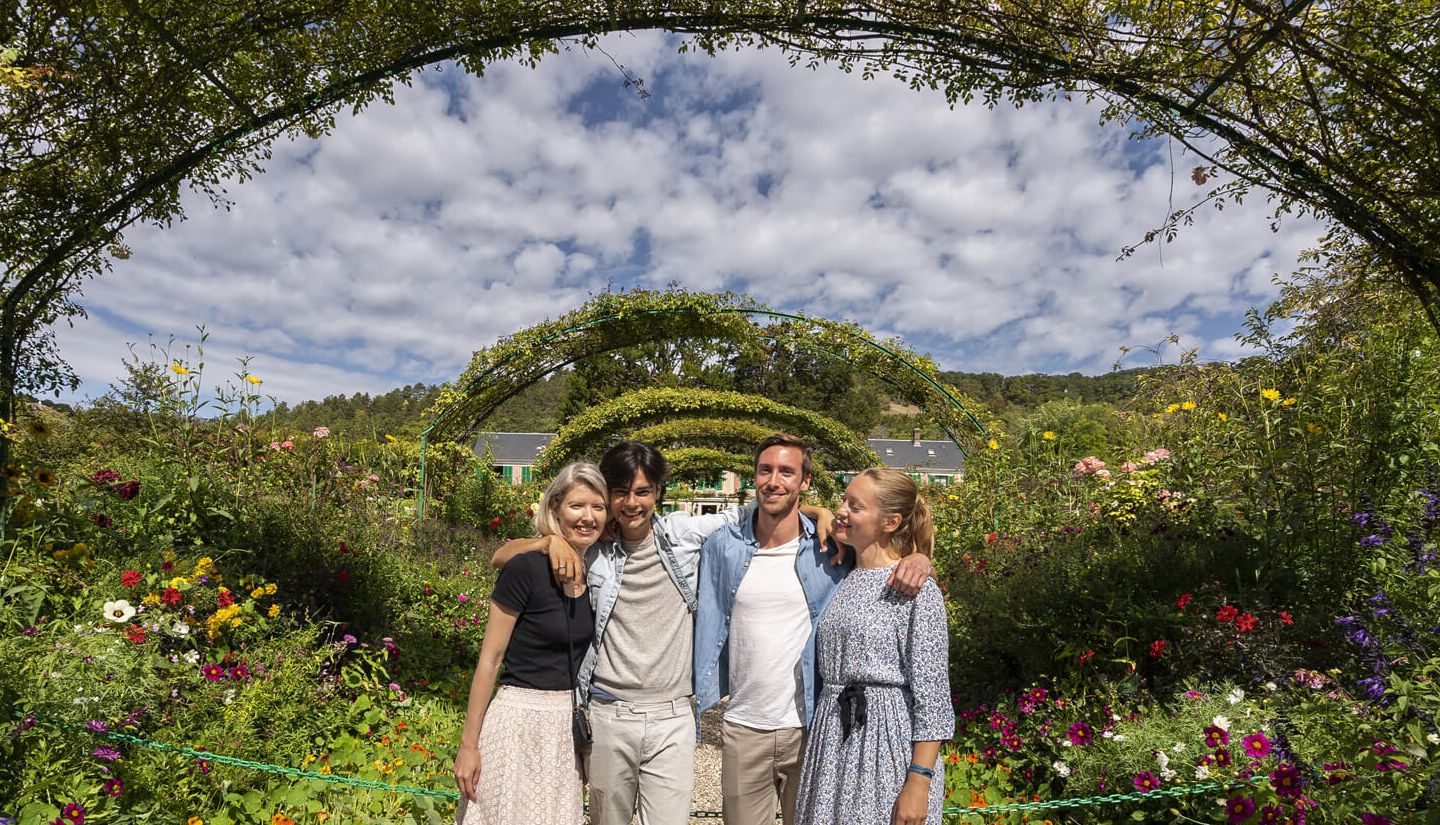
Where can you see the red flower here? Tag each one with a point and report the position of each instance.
(128, 490)
(1226, 613)
(1183, 600)
(135, 633)
(1246, 623)
(495, 523)
(1286, 618)
(171, 596)
(1157, 648)
(992, 537)
(167, 566)
(1086, 656)
(225, 599)
(239, 673)
(130, 578)
(344, 576)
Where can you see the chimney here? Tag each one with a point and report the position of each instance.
(915, 437)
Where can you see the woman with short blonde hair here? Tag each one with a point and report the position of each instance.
(518, 760)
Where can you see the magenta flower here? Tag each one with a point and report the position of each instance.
(1375, 819)
(1257, 745)
(97, 726)
(115, 786)
(1147, 782)
(1287, 781)
(1216, 736)
(462, 598)
(107, 754)
(1272, 815)
(1239, 809)
(1222, 757)
(1080, 734)
(213, 672)
(239, 673)
(75, 812)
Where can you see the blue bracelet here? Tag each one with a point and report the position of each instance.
(928, 773)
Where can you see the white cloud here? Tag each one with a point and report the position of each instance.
(388, 251)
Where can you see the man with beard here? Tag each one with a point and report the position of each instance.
(763, 584)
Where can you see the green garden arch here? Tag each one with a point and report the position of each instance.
(614, 320)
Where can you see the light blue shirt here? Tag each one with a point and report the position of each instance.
(678, 537)
(724, 559)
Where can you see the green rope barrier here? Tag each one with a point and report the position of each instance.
(372, 784)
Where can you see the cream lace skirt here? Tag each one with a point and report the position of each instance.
(529, 774)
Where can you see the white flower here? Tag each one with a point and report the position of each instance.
(1235, 696)
(1066, 743)
(1432, 739)
(1162, 759)
(1167, 774)
(1221, 722)
(1179, 747)
(1271, 686)
(119, 612)
(180, 629)
(229, 696)
(1119, 737)
(1062, 769)
(1109, 734)
(1202, 772)
(192, 657)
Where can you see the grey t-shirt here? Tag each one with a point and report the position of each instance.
(646, 653)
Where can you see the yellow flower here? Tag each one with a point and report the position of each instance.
(13, 473)
(45, 477)
(205, 567)
(1048, 435)
(151, 598)
(270, 589)
(309, 757)
(1171, 409)
(253, 379)
(179, 582)
(1289, 402)
(179, 369)
(324, 769)
(1314, 429)
(194, 820)
(257, 592)
(390, 438)
(236, 622)
(1222, 416)
(1188, 405)
(993, 444)
(1271, 394)
(322, 816)
(39, 427)
(273, 611)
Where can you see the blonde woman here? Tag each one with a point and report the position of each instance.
(517, 760)
(873, 755)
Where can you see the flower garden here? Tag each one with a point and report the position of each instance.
(1217, 603)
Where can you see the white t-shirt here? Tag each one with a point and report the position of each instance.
(769, 626)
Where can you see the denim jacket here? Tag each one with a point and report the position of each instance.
(678, 537)
(723, 561)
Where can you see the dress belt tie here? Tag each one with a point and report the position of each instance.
(852, 708)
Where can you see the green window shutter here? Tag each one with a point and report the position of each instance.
(525, 475)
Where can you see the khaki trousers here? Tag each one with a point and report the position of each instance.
(758, 769)
(642, 761)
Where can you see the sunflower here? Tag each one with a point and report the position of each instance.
(39, 428)
(45, 477)
(13, 473)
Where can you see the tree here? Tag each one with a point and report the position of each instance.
(109, 107)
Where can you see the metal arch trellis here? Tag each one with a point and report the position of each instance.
(746, 311)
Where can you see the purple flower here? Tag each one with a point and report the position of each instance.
(1272, 814)
(106, 753)
(1146, 782)
(75, 812)
(1372, 540)
(1080, 734)
(348, 639)
(29, 631)
(114, 786)
(1287, 781)
(1239, 809)
(1374, 819)
(1257, 745)
(97, 726)
(1360, 519)
(1216, 736)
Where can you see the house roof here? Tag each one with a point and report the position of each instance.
(901, 453)
(513, 448)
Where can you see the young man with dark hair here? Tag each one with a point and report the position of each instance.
(763, 583)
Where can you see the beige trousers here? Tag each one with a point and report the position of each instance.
(758, 769)
(643, 761)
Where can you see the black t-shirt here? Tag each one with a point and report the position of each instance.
(542, 654)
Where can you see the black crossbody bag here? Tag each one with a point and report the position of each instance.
(579, 721)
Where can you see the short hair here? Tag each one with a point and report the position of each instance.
(579, 472)
(622, 461)
(896, 492)
(786, 440)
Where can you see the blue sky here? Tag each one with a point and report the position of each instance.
(387, 252)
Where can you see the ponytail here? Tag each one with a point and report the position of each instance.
(896, 493)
